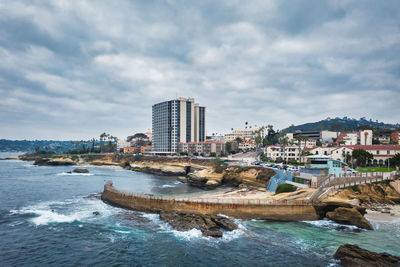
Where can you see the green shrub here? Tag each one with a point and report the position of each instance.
(356, 189)
(284, 188)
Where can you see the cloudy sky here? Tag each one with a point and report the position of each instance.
(73, 69)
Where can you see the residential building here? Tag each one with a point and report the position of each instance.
(216, 138)
(380, 153)
(287, 153)
(130, 150)
(145, 149)
(121, 143)
(176, 121)
(246, 134)
(247, 145)
(323, 136)
(305, 143)
(359, 138)
(394, 138)
(203, 148)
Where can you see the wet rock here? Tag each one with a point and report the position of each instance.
(352, 255)
(80, 170)
(182, 179)
(208, 225)
(349, 216)
(53, 162)
(224, 222)
(96, 213)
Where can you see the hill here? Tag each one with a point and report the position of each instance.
(31, 145)
(343, 124)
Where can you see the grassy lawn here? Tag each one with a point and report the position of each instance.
(376, 169)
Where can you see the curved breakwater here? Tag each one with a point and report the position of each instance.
(243, 209)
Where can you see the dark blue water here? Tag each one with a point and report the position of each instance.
(46, 218)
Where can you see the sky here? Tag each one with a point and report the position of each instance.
(74, 69)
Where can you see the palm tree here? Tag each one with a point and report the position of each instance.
(284, 143)
(246, 123)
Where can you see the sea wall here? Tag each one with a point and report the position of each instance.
(250, 209)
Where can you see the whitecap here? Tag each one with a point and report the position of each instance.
(75, 173)
(67, 211)
(328, 224)
(189, 235)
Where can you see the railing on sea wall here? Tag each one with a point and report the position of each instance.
(219, 201)
(353, 179)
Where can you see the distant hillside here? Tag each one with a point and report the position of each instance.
(30, 145)
(343, 124)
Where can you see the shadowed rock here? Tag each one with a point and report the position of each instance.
(352, 255)
(349, 216)
(81, 170)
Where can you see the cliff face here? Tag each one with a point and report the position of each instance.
(387, 192)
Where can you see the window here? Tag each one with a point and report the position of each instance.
(388, 152)
(377, 152)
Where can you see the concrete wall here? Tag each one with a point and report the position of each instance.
(280, 212)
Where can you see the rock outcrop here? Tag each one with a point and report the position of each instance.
(80, 170)
(211, 177)
(349, 216)
(386, 192)
(54, 162)
(208, 225)
(352, 255)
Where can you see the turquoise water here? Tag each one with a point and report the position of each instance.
(46, 218)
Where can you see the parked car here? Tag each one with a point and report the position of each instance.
(350, 171)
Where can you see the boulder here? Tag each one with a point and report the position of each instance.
(208, 225)
(80, 170)
(224, 222)
(352, 255)
(349, 216)
(96, 213)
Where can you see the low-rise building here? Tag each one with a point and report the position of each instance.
(246, 145)
(286, 153)
(246, 134)
(394, 138)
(145, 149)
(380, 153)
(130, 150)
(203, 148)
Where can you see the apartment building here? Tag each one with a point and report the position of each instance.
(203, 148)
(246, 134)
(176, 121)
(361, 138)
(303, 144)
(289, 153)
(247, 145)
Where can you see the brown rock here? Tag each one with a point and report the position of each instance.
(352, 255)
(349, 216)
(208, 225)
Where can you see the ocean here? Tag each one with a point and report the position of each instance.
(46, 218)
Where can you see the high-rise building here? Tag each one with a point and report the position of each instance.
(176, 121)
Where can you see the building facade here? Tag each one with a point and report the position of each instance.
(246, 134)
(203, 148)
(176, 121)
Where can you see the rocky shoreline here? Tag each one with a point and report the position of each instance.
(352, 255)
(343, 206)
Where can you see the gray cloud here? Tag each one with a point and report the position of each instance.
(73, 69)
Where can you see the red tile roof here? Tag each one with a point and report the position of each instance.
(375, 147)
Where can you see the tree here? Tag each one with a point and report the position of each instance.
(238, 139)
(258, 140)
(284, 143)
(301, 138)
(395, 161)
(362, 156)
